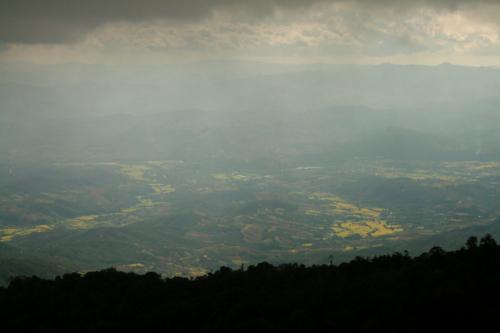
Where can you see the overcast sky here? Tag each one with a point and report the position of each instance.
(289, 31)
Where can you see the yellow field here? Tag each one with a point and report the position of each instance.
(197, 271)
(162, 189)
(252, 233)
(136, 172)
(132, 266)
(336, 206)
(238, 261)
(129, 210)
(82, 222)
(111, 163)
(165, 163)
(471, 165)
(313, 212)
(145, 203)
(417, 175)
(363, 221)
(7, 234)
(236, 176)
(375, 228)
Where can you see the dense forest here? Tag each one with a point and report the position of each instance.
(437, 291)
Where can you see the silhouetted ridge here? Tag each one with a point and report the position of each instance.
(438, 291)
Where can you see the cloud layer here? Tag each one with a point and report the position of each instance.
(61, 21)
(260, 28)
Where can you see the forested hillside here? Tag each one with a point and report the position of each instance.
(437, 291)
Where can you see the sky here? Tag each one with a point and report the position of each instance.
(277, 31)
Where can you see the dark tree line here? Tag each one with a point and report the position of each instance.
(438, 291)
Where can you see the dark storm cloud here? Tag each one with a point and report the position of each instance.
(60, 21)
(52, 21)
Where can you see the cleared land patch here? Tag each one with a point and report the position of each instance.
(353, 219)
(7, 234)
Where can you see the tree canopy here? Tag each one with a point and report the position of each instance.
(436, 291)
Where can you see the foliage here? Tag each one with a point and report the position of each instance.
(436, 291)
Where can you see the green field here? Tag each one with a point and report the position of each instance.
(185, 220)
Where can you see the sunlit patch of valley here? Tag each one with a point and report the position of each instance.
(180, 218)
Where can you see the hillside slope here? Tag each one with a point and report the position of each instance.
(436, 291)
